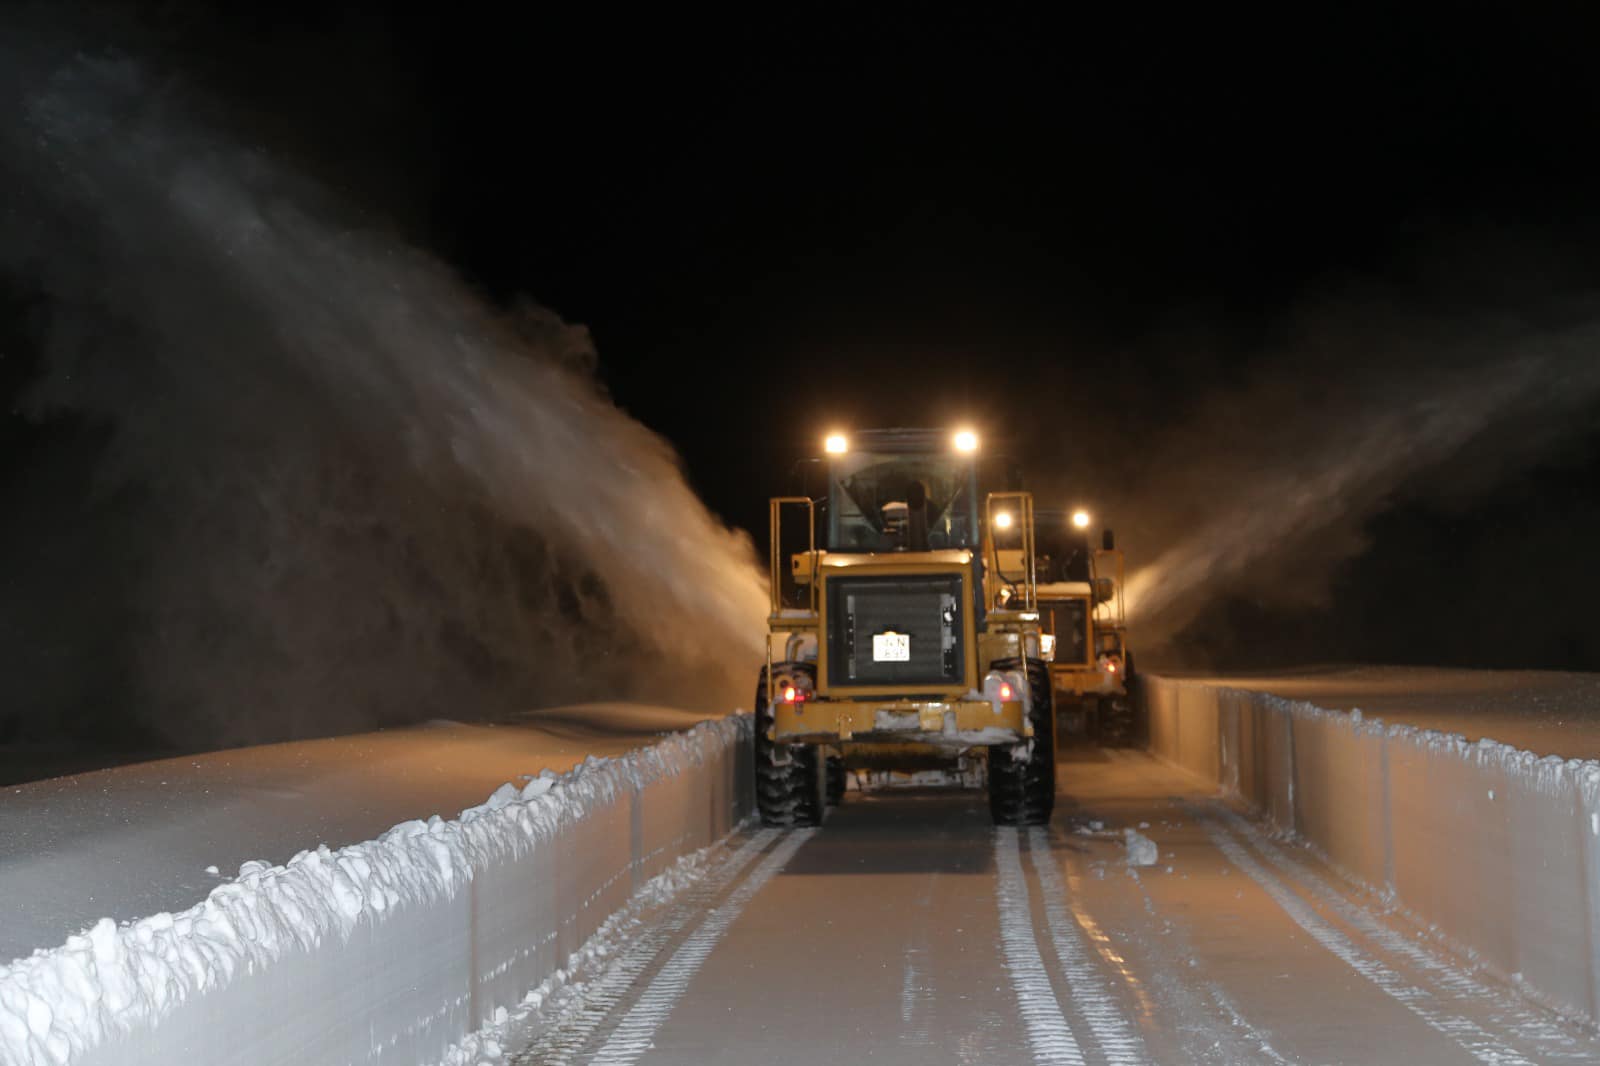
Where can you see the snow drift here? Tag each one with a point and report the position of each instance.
(387, 951)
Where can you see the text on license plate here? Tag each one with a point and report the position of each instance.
(891, 647)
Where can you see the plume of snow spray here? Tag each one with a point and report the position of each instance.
(1274, 488)
(348, 491)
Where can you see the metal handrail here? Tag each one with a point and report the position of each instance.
(1030, 575)
(1117, 606)
(775, 563)
(775, 559)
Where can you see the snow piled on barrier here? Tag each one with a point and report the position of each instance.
(57, 1004)
(1493, 851)
(1548, 773)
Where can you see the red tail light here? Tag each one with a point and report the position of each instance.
(1005, 693)
(789, 694)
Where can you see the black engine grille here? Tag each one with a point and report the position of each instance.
(927, 608)
(1069, 621)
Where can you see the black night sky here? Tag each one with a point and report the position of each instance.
(1076, 233)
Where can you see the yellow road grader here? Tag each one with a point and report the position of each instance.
(904, 631)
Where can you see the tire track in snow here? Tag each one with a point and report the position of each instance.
(564, 1036)
(1091, 994)
(1235, 1016)
(1048, 1033)
(915, 987)
(634, 1035)
(1210, 1027)
(1467, 1034)
(1531, 1024)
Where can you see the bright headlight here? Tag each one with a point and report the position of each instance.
(1002, 520)
(836, 444)
(965, 441)
(1080, 519)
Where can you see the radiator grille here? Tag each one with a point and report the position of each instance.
(926, 608)
(1069, 621)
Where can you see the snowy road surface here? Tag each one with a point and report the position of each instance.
(909, 930)
(1546, 712)
(137, 840)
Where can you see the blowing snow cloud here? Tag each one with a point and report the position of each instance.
(1263, 487)
(328, 487)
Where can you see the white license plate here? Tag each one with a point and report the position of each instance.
(891, 647)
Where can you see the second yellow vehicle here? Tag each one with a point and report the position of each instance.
(1082, 610)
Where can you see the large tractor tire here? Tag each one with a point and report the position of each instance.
(1022, 777)
(837, 779)
(790, 778)
(1121, 727)
(1075, 719)
(1116, 722)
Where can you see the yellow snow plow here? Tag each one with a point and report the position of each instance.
(903, 631)
(1084, 617)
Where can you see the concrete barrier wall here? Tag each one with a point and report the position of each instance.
(389, 951)
(1495, 849)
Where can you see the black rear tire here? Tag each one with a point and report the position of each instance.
(1116, 722)
(1022, 777)
(790, 785)
(837, 780)
(1123, 726)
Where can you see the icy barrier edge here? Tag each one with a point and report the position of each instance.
(389, 950)
(1495, 849)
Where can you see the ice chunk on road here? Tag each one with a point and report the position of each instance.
(1142, 850)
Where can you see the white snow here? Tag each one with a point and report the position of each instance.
(1091, 993)
(1203, 966)
(1471, 838)
(887, 720)
(1472, 1038)
(1142, 850)
(634, 1034)
(1545, 711)
(986, 736)
(488, 1044)
(1050, 1036)
(57, 1003)
(117, 843)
